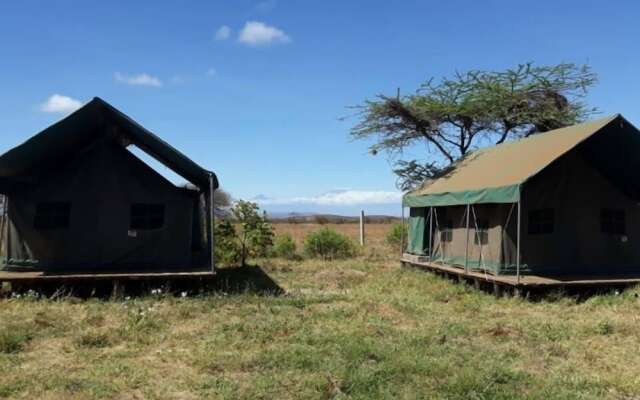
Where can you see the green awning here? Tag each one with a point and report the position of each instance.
(505, 194)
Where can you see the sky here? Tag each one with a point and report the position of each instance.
(257, 91)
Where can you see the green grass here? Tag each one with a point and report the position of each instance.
(349, 329)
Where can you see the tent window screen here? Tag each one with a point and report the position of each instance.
(482, 232)
(446, 231)
(52, 215)
(541, 221)
(146, 217)
(612, 222)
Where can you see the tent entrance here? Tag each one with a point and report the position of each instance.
(418, 241)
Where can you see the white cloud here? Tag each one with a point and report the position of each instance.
(258, 33)
(337, 198)
(211, 72)
(178, 79)
(58, 103)
(223, 33)
(138, 80)
(266, 6)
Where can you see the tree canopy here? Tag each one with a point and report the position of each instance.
(453, 116)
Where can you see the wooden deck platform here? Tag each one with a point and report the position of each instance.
(75, 276)
(526, 281)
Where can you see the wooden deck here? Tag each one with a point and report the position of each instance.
(42, 276)
(526, 281)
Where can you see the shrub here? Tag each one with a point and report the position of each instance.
(93, 339)
(326, 243)
(226, 249)
(604, 328)
(13, 339)
(284, 247)
(394, 236)
(256, 232)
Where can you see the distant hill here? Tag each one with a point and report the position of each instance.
(298, 218)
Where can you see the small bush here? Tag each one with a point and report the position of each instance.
(13, 339)
(604, 328)
(328, 244)
(255, 236)
(226, 249)
(394, 236)
(284, 247)
(92, 339)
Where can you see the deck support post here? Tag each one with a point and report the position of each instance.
(117, 291)
(497, 289)
(517, 292)
(476, 283)
(518, 246)
(466, 250)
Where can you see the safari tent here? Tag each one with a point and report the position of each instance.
(79, 200)
(564, 202)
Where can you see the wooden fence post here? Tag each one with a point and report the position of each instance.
(361, 227)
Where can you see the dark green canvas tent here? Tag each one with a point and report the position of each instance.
(562, 202)
(78, 199)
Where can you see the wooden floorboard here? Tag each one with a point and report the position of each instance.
(15, 276)
(525, 280)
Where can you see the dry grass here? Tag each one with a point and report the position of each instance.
(360, 328)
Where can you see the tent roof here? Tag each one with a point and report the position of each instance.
(97, 120)
(494, 174)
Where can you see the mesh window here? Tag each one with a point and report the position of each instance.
(52, 215)
(446, 231)
(541, 221)
(612, 222)
(482, 232)
(146, 217)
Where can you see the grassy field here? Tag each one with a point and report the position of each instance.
(361, 328)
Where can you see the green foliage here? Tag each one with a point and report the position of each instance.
(284, 247)
(604, 328)
(453, 116)
(328, 244)
(395, 236)
(93, 339)
(248, 234)
(227, 248)
(14, 338)
(256, 232)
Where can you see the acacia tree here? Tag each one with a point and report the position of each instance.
(256, 232)
(454, 116)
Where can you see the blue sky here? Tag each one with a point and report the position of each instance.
(259, 102)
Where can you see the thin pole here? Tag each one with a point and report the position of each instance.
(3, 222)
(361, 227)
(518, 247)
(7, 240)
(430, 234)
(466, 251)
(402, 234)
(211, 224)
